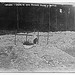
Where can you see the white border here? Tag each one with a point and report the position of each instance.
(69, 2)
(38, 1)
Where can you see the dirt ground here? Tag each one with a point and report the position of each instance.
(56, 56)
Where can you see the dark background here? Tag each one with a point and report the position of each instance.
(38, 18)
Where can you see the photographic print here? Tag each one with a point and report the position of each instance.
(37, 37)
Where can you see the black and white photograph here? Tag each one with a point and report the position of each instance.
(37, 37)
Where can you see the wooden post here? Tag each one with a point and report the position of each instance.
(15, 38)
(38, 37)
(49, 27)
(66, 18)
(17, 26)
(74, 17)
(26, 36)
(17, 19)
(56, 18)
